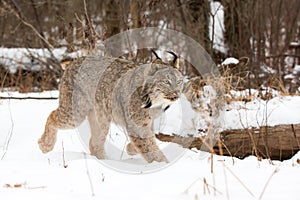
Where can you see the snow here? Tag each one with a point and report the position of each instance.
(230, 60)
(296, 69)
(289, 76)
(256, 113)
(268, 70)
(182, 120)
(28, 58)
(33, 59)
(294, 44)
(26, 173)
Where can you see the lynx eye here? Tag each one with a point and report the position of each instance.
(179, 82)
(166, 81)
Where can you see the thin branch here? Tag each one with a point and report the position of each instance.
(88, 174)
(7, 6)
(10, 133)
(226, 182)
(63, 155)
(205, 182)
(267, 183)
(239, 180)
(34, 98)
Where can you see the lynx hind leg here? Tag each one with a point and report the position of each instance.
(56, 120)
(148, 148)
(99, 131)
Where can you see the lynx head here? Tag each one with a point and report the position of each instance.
(163, 84)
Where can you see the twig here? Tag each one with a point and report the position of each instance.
(17, 13)
(88, 174)
(211, 163)
(294, 134)
(267, 183)
(10, 132)
(239, 180)
(23, 185)
(226, 185)
(205, 186)
(249, 133)
(225, 146)
(63, 155)
(214, 188)
(34, 98)
(213, 26)
(204, 181)
(7, 6)
(187, 189)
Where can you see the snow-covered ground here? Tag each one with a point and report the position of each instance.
(69, 173)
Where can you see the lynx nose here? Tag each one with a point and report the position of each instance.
(172, 96)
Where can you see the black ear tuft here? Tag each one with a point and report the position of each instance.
(157, 63)
(157, 57)
(175, 61)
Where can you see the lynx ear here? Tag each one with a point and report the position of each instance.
(175, 62)
(156, 64)
(158, 59)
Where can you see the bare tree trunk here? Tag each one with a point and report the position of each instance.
(142, 55)
(112, 19)
(237, 15)
(195, 18)
(135, 13)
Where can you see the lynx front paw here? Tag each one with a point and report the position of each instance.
(131, 150)
(157, 156)
(46, 144)
(99, 153)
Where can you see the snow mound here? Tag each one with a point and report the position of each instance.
(230, 60)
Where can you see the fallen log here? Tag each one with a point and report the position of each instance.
(279, 142)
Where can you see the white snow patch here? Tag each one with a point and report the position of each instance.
(279, 110)
(294, 44)
(27, 58)
(268, 69)
(33, 59)
(230, 60)
(289, 76)
(296, 69)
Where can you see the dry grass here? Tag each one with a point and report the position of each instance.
(26, 81)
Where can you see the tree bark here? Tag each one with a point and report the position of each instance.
(279, 142)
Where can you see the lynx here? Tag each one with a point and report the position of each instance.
(129, 95)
